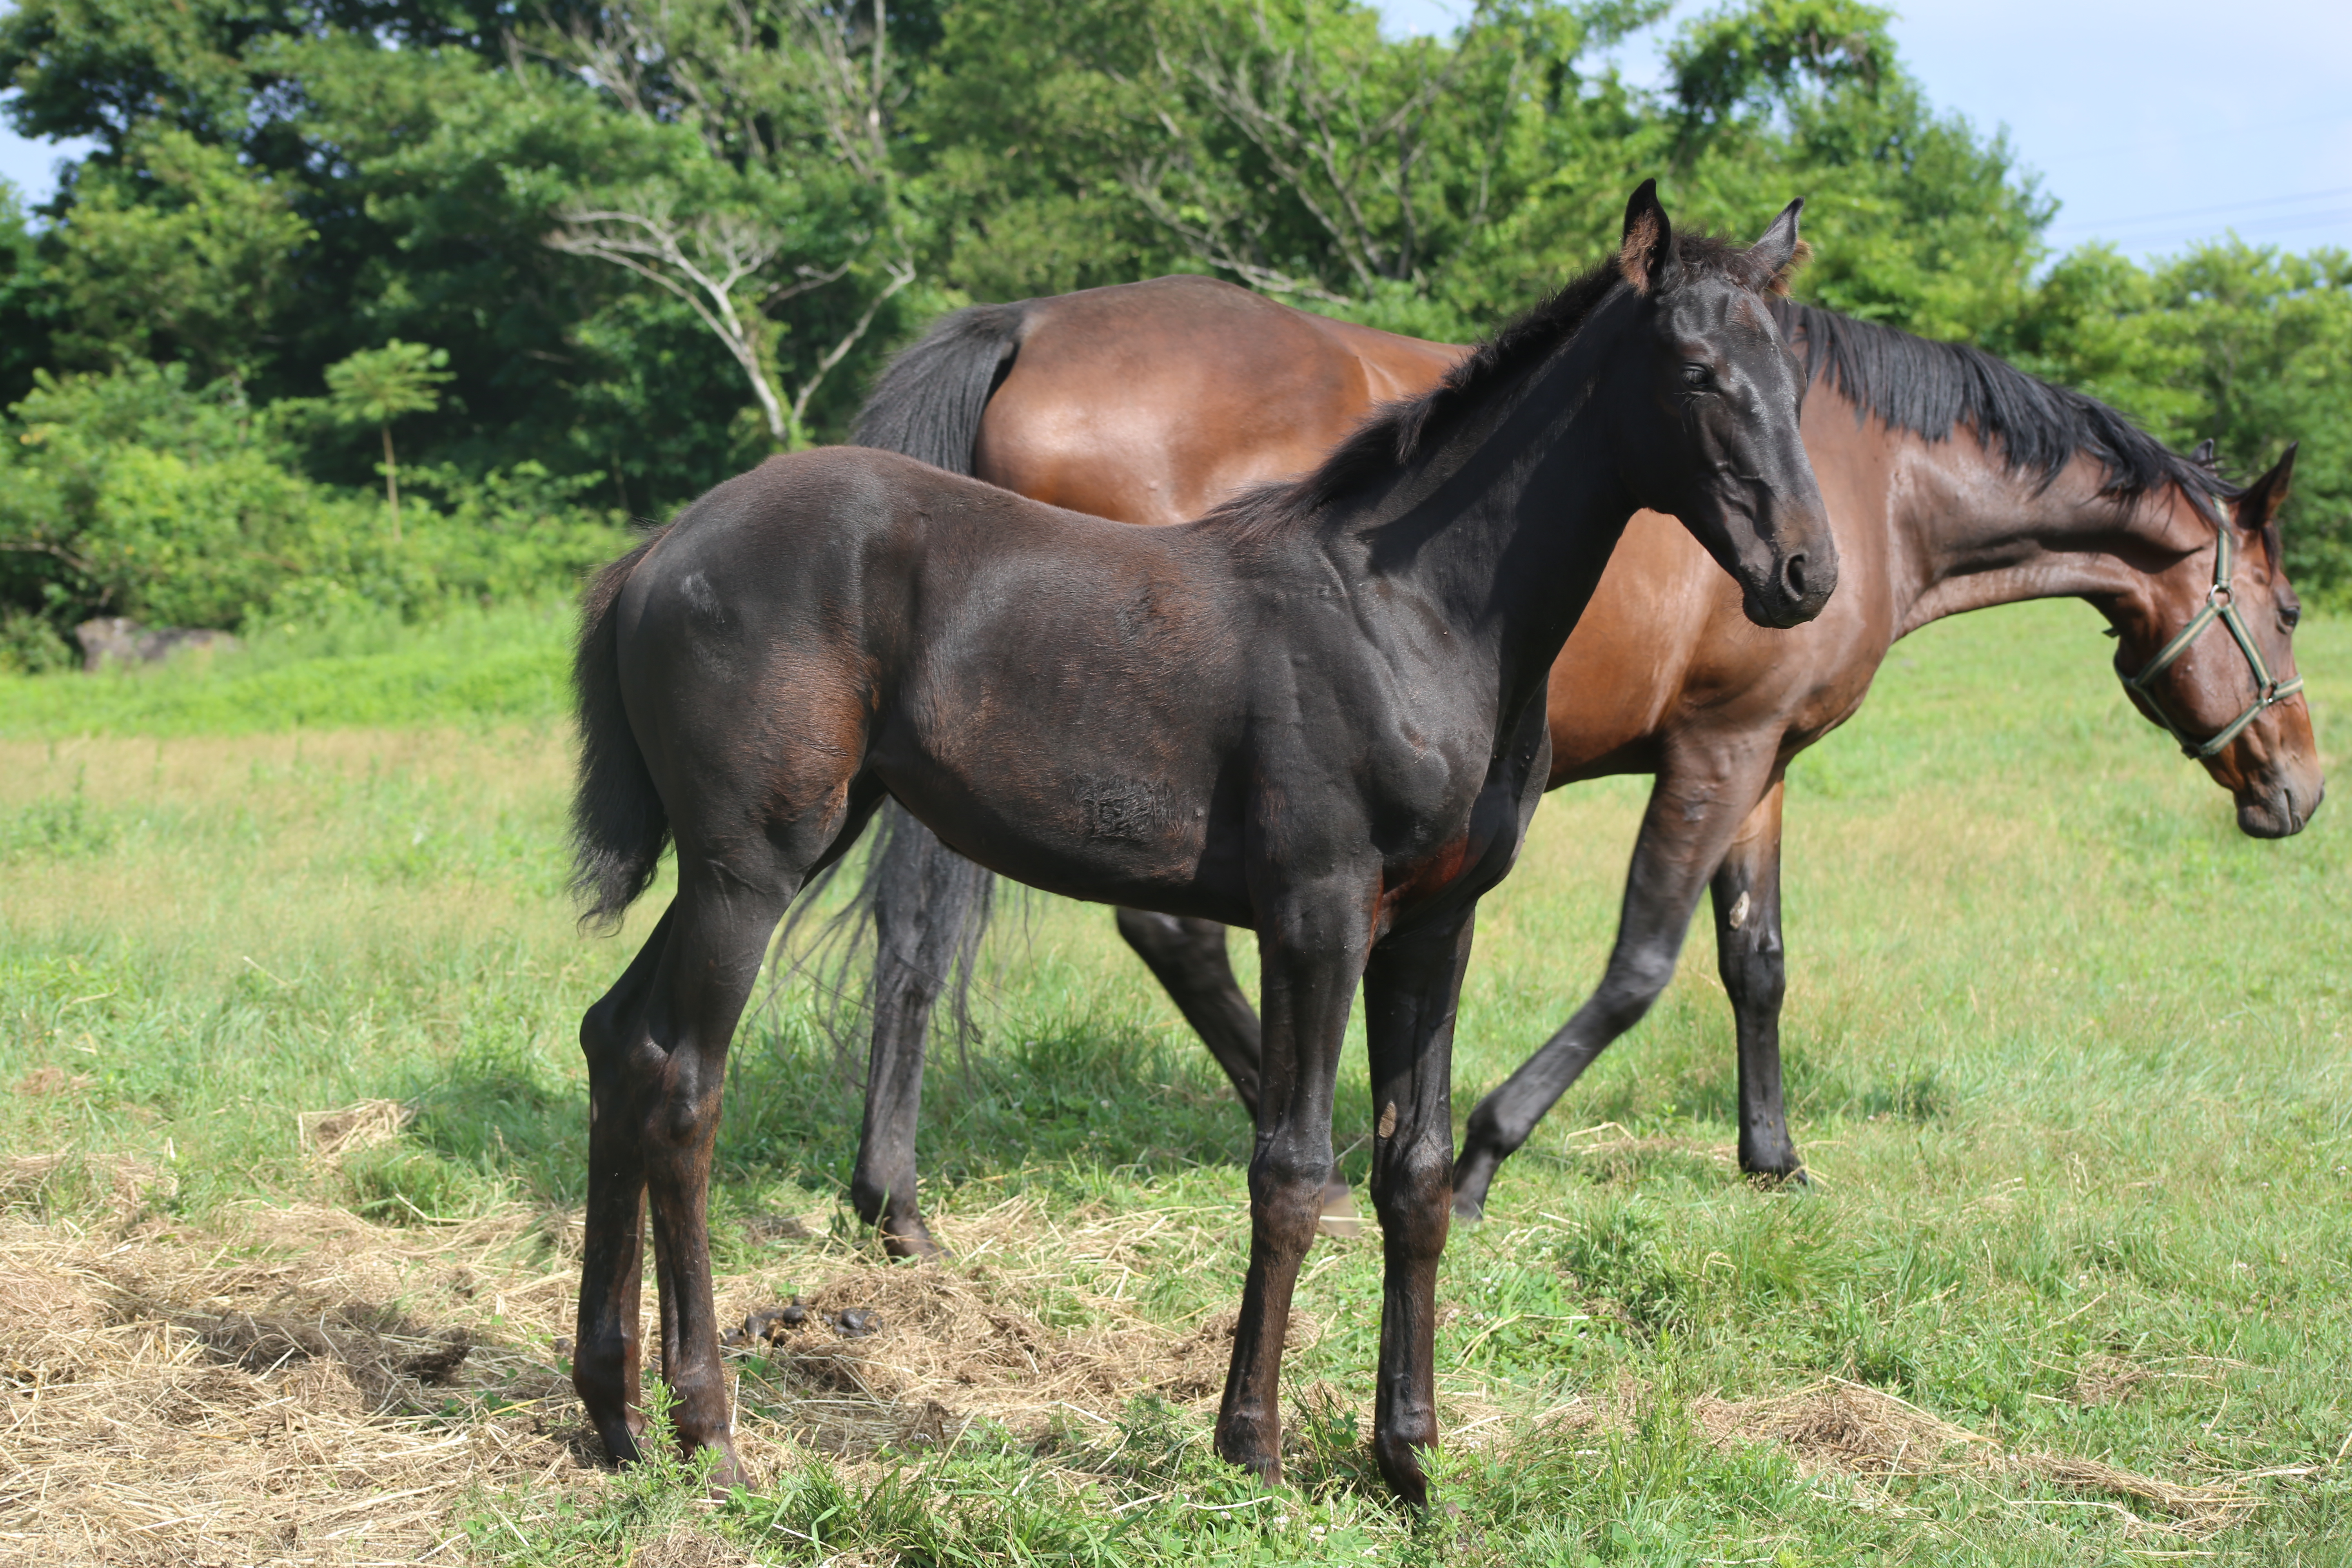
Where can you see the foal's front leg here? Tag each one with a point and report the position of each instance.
(1310, 963)
(1411, 986)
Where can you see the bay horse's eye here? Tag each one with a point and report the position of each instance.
(2290, 616)
(1696, 375)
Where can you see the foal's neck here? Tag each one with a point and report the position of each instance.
(1503, 528)
(1971, 532)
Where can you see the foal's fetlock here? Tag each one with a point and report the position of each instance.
(1254, 1446)
(1398, 1458)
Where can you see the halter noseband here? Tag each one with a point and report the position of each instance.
(2221, 604)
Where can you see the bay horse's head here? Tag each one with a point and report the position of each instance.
(2206, 649)
(1703, 400)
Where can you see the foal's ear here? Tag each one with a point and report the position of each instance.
(1774, 259)
(2206, 456)
(2258, 507)
(1646, 259)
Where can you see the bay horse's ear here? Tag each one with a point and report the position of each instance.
(2258, 506)
(1646, 258)
(2206, 456)
(1774, 259)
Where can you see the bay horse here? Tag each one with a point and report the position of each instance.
(1317, 711)
(1954, 482)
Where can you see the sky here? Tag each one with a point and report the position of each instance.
(2155, 123)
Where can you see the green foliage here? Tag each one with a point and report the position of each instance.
(2231, 340)
(376, 386)
(176, 249)
(1760, 54)
(656, 242)
(135, 495)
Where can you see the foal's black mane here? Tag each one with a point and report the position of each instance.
(1395, 433)
(1929, 388)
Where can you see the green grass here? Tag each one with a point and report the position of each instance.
(510, 663)
(2067, 1058)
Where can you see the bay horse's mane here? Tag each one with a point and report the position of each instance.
(1395, 433)
(1929, 387)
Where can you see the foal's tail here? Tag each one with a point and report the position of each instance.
(929, 400)
(618, 825)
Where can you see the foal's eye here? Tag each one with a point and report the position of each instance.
(1696, 375)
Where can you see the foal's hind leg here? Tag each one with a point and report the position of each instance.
(1754, 970)
(658, 1061)
(605, 1363)
(924, 897)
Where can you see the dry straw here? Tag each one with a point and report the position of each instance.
(298, 1386)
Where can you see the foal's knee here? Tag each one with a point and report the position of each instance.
(1413, 1189)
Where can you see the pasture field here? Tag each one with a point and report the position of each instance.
(290, 1154)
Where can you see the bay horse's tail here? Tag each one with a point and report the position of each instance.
(929, 400)
(619, 825)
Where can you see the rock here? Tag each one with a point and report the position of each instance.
(119, 639)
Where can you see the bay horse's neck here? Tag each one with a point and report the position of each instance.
(1968, 532)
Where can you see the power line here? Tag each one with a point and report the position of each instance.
(2204, 212)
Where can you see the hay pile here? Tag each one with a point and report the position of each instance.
(1839, 1426)
(298, 1386)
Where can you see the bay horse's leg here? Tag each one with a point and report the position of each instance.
(605, 1362)
(1189, 959)
(1755, 972)
(923, 896)
(1410, 990)
(1310, 963)
(1695, 807)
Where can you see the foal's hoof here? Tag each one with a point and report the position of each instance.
(910, 1238)
(1400, 1463)
(1792, 1175)
(1253, 1448)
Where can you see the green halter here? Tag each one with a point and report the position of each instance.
(2221, 605)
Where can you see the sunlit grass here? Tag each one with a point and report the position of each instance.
(2067, 1059)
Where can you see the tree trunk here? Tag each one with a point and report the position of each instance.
(391, 482)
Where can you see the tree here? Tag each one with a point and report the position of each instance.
(376, 386)
(777, 181)
(178, 249)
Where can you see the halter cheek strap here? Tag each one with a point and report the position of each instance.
(2221, 605)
